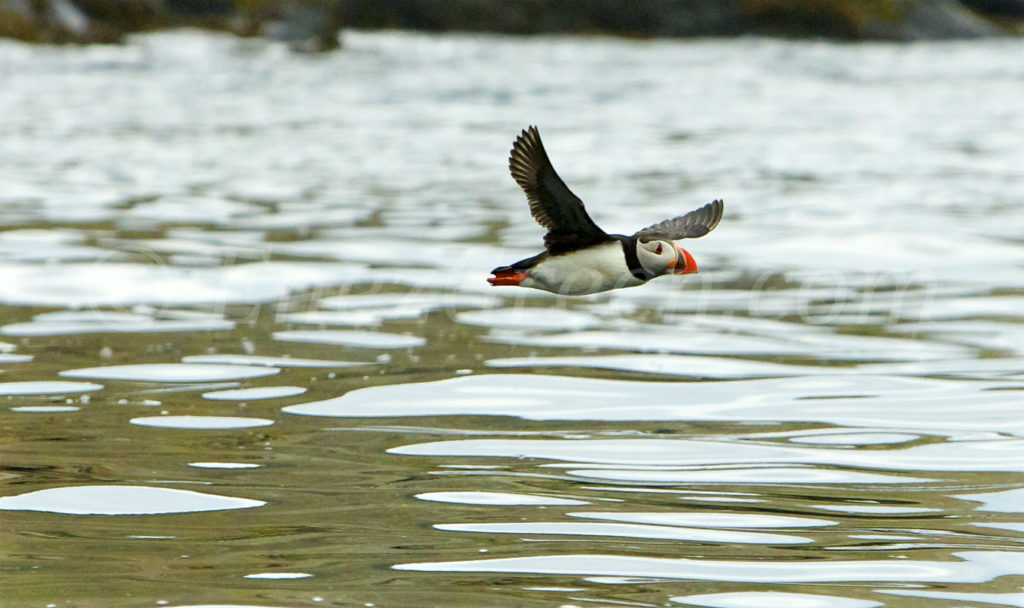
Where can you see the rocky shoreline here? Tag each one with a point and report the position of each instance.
(314, 25)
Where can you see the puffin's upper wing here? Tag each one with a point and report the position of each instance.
(692, 225)
(552, 204)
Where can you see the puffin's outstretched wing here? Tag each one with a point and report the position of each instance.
(690, 226)
(552, 204)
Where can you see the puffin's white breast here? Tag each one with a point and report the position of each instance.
(583, 271)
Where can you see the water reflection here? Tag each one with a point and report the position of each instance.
(770, 599)
(968, 567)
(122, 500)
(270, 290)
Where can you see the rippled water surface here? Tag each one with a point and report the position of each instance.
(250, 356)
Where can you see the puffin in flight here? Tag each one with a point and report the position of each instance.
(579, 258)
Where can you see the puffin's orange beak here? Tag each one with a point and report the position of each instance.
(684, 263)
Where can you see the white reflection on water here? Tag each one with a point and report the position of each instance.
(536, 319)
(772, 599)
(212, 423)
(126, 284)
(884, 510)
(269, 361)
(667, 457)
(873, 190)
(92, 322)
(10, 358)
(255, 394)
(1008, 501)
(278, 576)
(499, 498)
(122, 500)
(358, 339)
(693, 340)
(223, 465)
(47, 387)
(996, 599)
(710, 520)
(856, 401)
(171, 372)
(45, 409)
(968, 567)
(561, 528)
(745, 476)
(675, 365)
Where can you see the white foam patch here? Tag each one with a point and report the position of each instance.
(771, 599)
(357, 339)
(969, 567)
(255, 394)
(534, 319)
(628, 531)
(122, 500)
(269, 361)
(223, 465)
(1010, 501)
(499, 499)
(45, 409)
(878, 402)
(211, 423)
(674, 365)
(171, 372)
(47, 387)
(709, 520)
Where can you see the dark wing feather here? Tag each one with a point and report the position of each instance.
(690, 226)
(552, 204)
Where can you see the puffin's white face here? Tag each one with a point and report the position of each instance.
(664, 257)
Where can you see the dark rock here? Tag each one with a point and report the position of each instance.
(18, 20)
(200, 8)
(868, 19)
(999, 8)
(842, 19)
(313, 25)
(932, 20)
(305, 27)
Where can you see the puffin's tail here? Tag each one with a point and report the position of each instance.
(505, 275)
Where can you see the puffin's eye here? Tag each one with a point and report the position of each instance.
(658, 250)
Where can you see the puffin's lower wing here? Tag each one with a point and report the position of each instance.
(690, 226)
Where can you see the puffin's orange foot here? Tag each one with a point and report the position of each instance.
(507, 278)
